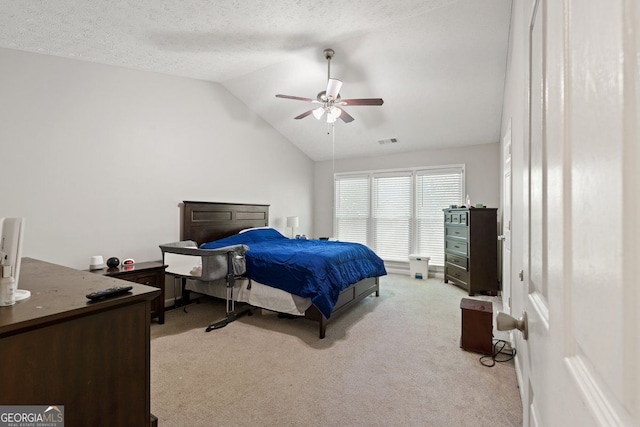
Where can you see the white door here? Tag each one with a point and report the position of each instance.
(535, 262)
(581, 188)
(506, 222)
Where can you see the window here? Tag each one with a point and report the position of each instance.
(398, 212)
(435, 190)
(351, 221)
(391, 216)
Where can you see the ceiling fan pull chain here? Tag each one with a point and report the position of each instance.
(333, 146)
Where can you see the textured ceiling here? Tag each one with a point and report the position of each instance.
(439, 65)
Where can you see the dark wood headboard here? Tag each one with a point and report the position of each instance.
(204, 222)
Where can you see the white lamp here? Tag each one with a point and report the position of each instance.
(293, 222)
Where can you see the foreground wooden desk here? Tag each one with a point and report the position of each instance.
(56, 348)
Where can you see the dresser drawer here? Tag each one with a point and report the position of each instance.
(456, 275)
(458, 218)
(464, 218)
(456, 260)
(456, 232)
(456, 246)
(149, 279)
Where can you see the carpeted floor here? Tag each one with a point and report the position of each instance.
(394, 360)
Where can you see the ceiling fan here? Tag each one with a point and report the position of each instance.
(329, 100)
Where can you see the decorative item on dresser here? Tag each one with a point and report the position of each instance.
(471, 249)
(145, 273)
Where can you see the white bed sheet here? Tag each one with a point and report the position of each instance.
(258, 295)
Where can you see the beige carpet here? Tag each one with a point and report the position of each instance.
(394, 360)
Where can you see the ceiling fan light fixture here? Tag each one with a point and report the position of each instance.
(333, 88)
(332, 114)
(318, 112)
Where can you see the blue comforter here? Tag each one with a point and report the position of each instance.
(314, 269)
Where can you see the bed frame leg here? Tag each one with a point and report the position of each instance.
(322, 328)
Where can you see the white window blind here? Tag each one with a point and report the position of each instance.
(435, 190)
(399, 212)
(352, 209)
(391, 211)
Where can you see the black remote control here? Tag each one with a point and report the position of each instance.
(111, 292)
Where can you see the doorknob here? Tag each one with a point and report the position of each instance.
(507, 323)
(501, 237)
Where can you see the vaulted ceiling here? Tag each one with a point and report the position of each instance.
(439, 65)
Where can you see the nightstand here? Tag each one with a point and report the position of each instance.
(145, 273)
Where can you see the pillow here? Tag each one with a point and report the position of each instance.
(253, 228)
(260, 234)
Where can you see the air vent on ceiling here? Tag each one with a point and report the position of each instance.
(388, 141)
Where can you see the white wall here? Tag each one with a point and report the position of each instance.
(97, 158)
(482, 181)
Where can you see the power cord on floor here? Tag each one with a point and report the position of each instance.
(499, 349)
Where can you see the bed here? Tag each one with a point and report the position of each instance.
(220, 226)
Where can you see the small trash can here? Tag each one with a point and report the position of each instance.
(419, 266)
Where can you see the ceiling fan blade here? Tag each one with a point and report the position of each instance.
(364, 101)
(333, 88)
(346, 117)
(303, 115)
(297, 98)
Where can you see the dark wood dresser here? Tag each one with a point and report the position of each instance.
(471, 249)
(145, 273)
(58, 348)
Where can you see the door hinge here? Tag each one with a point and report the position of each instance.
(521, 275)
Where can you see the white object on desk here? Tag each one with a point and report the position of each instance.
(11, 236)
(97, 262)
